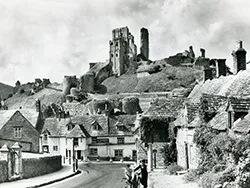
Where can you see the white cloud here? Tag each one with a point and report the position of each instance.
(53, 38)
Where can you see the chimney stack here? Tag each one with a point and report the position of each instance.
(203, 51)
(221, 69)
(239, 57)
(38, 105)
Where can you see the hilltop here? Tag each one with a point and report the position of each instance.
(169, 78)
(5, 90)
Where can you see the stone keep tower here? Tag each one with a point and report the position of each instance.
(122, 50)
(144, 43)
(239, 57)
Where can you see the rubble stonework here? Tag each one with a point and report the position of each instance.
(87, 82)
(239, 57)
(123, 50)
(68, 83)
(144, 49)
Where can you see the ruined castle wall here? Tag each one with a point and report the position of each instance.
(101, 106)
(68, 83)
(144, 43)
(87, 82)
(130, 105)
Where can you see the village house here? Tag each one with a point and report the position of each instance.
(23, 126)
(209, 104)
(153, 129)
(90, 136)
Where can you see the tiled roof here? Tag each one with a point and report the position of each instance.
(239, 104)
(192, 110)
(114, 125)
(75, 109)
(220, 121)
(30, 114)
(232, 85)
(211, 103)
(243, 126)
(168, 107)
(55, 126)
(195, 123)
(77, 132)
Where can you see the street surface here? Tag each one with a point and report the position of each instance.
(99, 176)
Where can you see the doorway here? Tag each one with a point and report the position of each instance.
(186, 154)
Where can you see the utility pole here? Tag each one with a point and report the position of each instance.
(73, 155)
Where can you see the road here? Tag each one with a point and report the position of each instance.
(98, 176)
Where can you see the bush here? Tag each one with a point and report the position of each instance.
(192, 175)
(169, 153)
(173, 168)
(22, 91)
(209, 180)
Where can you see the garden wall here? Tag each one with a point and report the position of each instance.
(39, 166)
(3, 171)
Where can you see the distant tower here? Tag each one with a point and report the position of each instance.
(144, 43)
(191, 51)
(239, 57)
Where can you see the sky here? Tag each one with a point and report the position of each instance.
(53, 38)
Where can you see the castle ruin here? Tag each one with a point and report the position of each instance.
(123, 50)
(144, 49)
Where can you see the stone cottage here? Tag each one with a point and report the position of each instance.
(23, 126)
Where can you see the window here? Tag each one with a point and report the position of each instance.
(94, 140)
(119, 153)
(45, 137)
(45, 149)
(55, 148)
(93, 151)
(75, 142)
(17, 132)
(120, 140)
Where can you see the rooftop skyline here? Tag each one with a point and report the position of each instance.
(50, 39)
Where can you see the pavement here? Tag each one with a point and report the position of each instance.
(39, 181)
(160, 178)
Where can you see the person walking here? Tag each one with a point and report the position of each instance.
(144, 173)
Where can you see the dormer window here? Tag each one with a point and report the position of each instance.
(70, 126)
(95, 125)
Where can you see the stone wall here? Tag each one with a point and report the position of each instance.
(3, 171)
(142, 153)
(38, 166)
(26, 146)
(186, 149)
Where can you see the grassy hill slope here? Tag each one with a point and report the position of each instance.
(167, 79)
(5, 90)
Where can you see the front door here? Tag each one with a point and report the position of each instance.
(79, 156)
(134, 155)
